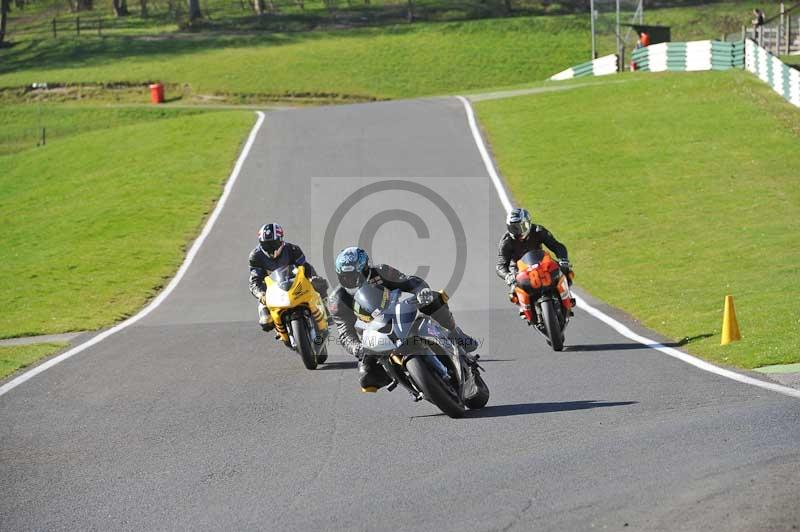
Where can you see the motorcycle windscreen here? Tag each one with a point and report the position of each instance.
(530, 258)
(283, 277)
(405, 312)
(371, 301)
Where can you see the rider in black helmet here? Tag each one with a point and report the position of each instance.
(353, 270)
(524, 236)
(273, 253)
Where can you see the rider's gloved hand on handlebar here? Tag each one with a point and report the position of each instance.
(319, 283)
(566, 269)
(511, 279)
(425, 297)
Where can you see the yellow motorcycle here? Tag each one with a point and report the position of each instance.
(300, 316)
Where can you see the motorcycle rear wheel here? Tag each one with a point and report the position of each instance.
(433, 389)
(302, 340)
(551, 325)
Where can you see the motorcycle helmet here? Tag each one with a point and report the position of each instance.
(352, 267)
(270, 240)
(518, 223)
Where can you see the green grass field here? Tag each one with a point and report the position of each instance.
(95, 222)
(13, 358)
(391, 62)
(386, 61)
(670, 192)
(23, 124)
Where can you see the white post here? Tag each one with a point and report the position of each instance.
(594, 40)
(619, 38)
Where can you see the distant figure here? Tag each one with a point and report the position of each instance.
(642, 42)
(758, 21)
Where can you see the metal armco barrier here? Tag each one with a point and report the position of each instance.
(697, 56)
(601, 66)
(691, 56)
(783, 79)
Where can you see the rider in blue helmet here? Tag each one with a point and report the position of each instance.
(353, 270)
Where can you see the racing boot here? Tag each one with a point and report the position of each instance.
(371, 375)
(444, 317)
(265, 319)
(467, 342)
(327, 312)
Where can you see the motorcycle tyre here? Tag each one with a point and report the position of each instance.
(433, 389)
(302, 340)
(551, 325)
(480, 399)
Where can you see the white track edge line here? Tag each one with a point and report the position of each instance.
(10, 385)
(605, 318)
(487, 161)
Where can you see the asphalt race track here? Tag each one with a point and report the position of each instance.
(194, 419)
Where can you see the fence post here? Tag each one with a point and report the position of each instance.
(78, 26)
(55, 32)
(780, 31)
(788, 34)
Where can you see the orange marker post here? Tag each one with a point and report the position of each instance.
(730, 327)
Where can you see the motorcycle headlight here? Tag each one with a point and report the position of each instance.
(277, 298)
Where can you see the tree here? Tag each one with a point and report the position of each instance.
(194, 10)
(143, 8)
(81, 5)
(259, 6)
(5, 7)
(120, 7)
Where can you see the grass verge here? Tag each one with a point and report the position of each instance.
(94, 223)
(396, 61)
(23, 124)
(670, 193)
(16, 357)
(389, 61)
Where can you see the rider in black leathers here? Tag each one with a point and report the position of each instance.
(523, 236)
(273, 253)
(341, 305)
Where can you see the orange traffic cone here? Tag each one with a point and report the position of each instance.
(730, 327)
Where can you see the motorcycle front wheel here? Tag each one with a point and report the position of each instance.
(302, 339)
(480, 399)
(433, 388)
(551, 325)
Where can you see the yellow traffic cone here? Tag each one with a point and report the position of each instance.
(730, 327)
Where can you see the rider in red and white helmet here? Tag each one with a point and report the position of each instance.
(272, 253)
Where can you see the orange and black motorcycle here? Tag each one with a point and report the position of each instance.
(543, 295)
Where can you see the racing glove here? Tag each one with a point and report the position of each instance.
(511, 279)
(319, 283)
(565, 266)
(262, 298)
